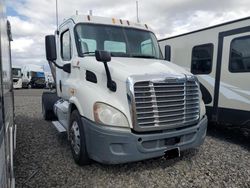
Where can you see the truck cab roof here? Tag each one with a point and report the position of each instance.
(106, 21)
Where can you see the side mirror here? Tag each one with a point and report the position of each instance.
(67, 68)
(50, 45)
(102, 56)
(21, 74)
(168, 53)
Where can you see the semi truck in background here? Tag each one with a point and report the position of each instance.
(17, 77)
(220, 57)
(7, 126)
(116, 98)
(50, 83)
(33, 76)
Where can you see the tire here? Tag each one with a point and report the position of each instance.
(78, 140)
(48, 101)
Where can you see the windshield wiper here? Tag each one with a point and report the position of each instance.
(113, 54)
(143, 56)
(84, 53)
(119, 54)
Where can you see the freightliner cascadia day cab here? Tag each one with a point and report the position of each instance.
(17, 77)
(220, 57)
(116, 97)
(7, 126)
(33, 76)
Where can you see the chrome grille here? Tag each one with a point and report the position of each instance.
(165, 105)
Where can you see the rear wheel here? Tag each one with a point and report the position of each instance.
(48, 101)
(77, 140)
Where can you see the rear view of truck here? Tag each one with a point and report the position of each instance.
(116, 97)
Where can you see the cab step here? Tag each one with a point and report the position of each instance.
(59, 127)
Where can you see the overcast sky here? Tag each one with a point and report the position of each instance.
(31, 20)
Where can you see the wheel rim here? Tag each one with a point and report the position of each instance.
(75, 137)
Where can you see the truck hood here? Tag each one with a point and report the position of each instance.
(122, 68)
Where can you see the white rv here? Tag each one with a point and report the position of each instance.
(116, 98)
(7, 125)
(17, 77)
(33, 76)
(220, 57)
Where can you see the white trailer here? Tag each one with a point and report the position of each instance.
(220, 57)
(17, 77)
(7, 126)
(33, 76)
(116, 98)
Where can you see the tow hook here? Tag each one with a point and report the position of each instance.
(172, 153)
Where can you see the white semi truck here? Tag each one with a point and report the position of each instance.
(33, 76)
(17, 77)
(116, 98)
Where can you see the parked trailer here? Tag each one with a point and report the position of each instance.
(132, 107)
(7, 127)
(17, 77)
(220, 57)
(33, 76)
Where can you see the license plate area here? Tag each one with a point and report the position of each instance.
(172, 153)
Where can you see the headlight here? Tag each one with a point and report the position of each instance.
(109, 115)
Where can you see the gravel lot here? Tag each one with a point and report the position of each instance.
(43, 158)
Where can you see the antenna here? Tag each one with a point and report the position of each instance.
(57, 26)
(137, 11)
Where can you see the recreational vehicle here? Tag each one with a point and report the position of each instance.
(33, 76)
(116, 98)
(220, 57)
(17, 77)
(7, 127)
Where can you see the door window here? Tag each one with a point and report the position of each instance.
(202, 58)
(66, 46)
(240, 55)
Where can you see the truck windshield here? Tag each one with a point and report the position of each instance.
(16, 72)
(120, 41)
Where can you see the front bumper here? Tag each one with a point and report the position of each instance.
(113, 146)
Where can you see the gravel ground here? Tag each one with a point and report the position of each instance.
(43, 158)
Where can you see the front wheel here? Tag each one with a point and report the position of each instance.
(77, 140)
